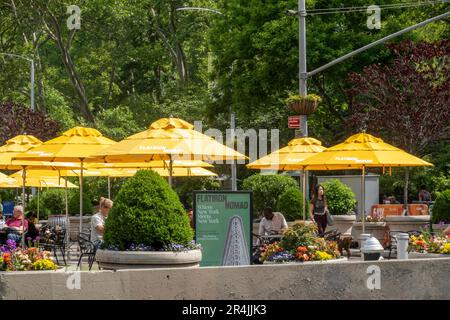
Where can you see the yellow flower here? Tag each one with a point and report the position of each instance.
(446, 248)
(322, 255)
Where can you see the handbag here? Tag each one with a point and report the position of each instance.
(330, 219)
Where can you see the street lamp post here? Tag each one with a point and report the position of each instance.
(31, 74)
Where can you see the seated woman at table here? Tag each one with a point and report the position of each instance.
(98, 221)
(273, 223)
(15, 224)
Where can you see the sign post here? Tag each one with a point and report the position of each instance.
(223, 226)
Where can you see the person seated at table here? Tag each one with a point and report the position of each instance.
(190, 214)
(32, 233)
(273, 223)
(98, 221)
(424, 194)
(15, 224)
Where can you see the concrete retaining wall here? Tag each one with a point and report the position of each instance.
(408, 279)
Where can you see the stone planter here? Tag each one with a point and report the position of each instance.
(407, 223)
(74, 225)
(439, 227)
(419, 255)
(343, 223)
(337, 260)
(378, 230)
(116, 260)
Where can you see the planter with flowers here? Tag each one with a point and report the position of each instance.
(13, 258)
(427, 245)
(374, 225)
(300, 244)
(341, 204)
(303, 105)
(147, 228)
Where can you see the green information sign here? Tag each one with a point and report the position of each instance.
(223, 226)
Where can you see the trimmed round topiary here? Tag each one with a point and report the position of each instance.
(147, 212)
(290, 204)
(441, 207)
(340, 198)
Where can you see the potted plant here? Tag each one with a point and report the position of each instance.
(303, 105)
(147, 228)
(341, 203)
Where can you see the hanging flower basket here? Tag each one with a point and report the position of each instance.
(303, 105)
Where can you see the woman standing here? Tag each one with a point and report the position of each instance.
(318, 209)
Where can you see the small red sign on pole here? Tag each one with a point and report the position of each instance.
(294, 122)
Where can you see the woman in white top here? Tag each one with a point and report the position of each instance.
(98, 221)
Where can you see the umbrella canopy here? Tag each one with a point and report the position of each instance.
(168, 139)
(74, 145)
(176, 172)
(151, 164)
(288, 158)
(362, 150)
(37, 181)
(5, 179)
(20, 144)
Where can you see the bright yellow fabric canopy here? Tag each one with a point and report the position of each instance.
(150, 164)
(20, 144)
(362, 150)
(176, 172)
(37, 181)
(288, 158)
(74, 145)
(168, 139)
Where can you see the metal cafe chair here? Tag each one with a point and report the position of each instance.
(87, 248)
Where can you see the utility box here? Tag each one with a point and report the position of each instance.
(354, 182)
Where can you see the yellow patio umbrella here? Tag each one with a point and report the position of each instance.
(40, 179)
(288, 158)
(74, 145)
(360, 151)
(5, 179)
(168, 139)
(176, 172)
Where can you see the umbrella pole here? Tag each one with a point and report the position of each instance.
(304, 195)
(170, 172)
(67, 202)
(363, 200)
(38, 207)
(109, 187)
(81, 196)
(24, 179)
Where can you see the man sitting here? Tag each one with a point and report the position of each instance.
(17, 224)
(273, 223)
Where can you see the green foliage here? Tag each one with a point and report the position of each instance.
(117, 123)
(74, 203)
(51, 201)
(267, 189)
(309, 97)
(300, 234)
(340, 198)
(147, 211)
(441, 207)
(184, 187)
(290, 204)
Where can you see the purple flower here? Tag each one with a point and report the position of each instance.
(28, 238)
(38, 238)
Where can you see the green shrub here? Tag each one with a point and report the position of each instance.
(267, 189)
(51, 201)
(147, 211)
(290, 204)
(74, 203)
(340, 198)
(441, 207)
(300, 234)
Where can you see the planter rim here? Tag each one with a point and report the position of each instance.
(407, 218)
(149, 257)
(371, 224)
(344, 216)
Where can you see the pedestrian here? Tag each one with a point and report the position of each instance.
(319, 208)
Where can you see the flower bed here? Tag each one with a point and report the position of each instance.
(428, 243)
(13, 258)
(300, 244)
